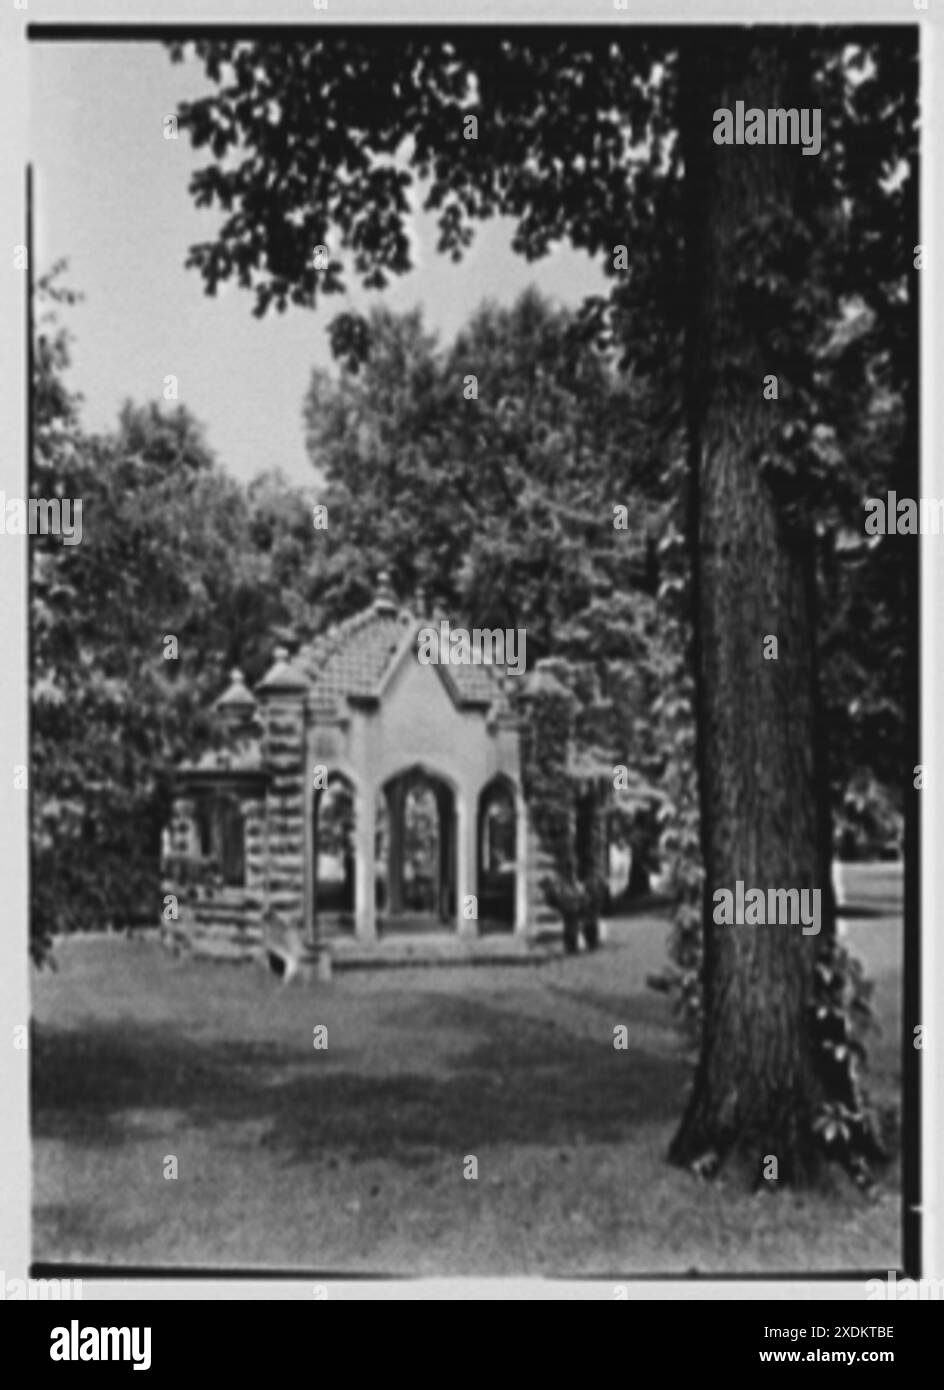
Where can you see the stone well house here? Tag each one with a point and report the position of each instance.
(358, 793)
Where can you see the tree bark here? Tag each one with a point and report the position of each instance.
(755, 1085)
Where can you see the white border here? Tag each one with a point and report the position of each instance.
(14, 966)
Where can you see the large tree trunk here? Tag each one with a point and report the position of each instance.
(761, 806)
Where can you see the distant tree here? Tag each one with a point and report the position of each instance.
(504, 512)
(59, 465)
(133, 632)
(290, 541)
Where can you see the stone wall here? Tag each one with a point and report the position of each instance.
(285, 819)
(215, 919)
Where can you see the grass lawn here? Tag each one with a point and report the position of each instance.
(351, 1158)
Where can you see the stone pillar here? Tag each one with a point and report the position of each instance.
(311, 866)
(181, 835)
(466, 876)
(281, 695)
(253, 809)
(183, 829)
(521, 865)
(365, 884)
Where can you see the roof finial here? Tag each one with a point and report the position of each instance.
(236, 697)
(384, 598)
(281, 675)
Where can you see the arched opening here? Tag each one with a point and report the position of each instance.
(416, 853)
(619, 859)
(333, 855)
(497, 841)
(221, 836)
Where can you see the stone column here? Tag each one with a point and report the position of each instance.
(466, 877)
(183, 829)
(182, 834)
(365, 889)
(253, 809)
(311, 858)
(281, 696)
(521, 865)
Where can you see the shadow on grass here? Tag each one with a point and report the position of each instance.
(524, 1081)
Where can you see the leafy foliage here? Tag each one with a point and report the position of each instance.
(501, 514)
(167, 551)
(545, 744)
(679, 817)
(845, 1124)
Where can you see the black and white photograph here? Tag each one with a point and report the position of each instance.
(474, 523)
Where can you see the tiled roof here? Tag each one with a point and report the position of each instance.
(475, 685)
(352, 659)
(349, 661)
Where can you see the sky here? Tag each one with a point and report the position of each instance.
(110, 195)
